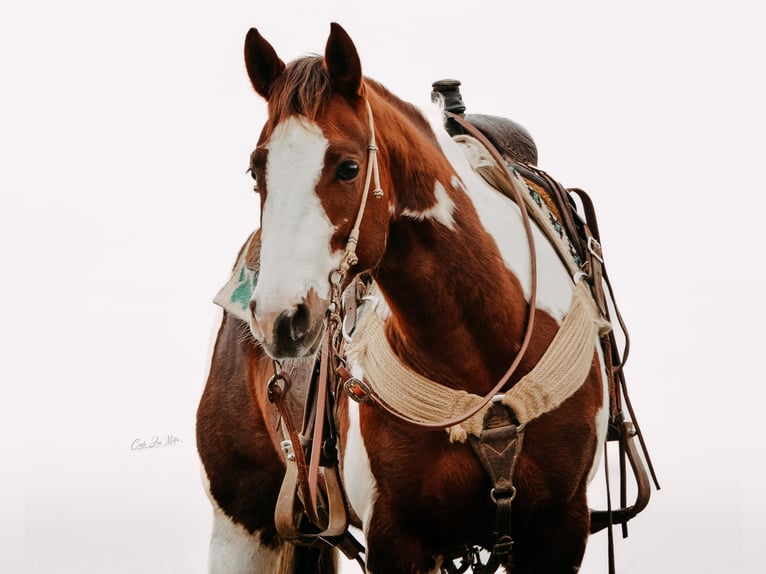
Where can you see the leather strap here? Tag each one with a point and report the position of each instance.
(618, 358)
(295, 457)
(562, 199)
(319, 408)
(303, 483)
(620, 430)
(498, 448)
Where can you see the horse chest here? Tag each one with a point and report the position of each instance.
(414, 476)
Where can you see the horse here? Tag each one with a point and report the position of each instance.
(355, 182)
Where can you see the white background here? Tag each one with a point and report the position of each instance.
(126, 129)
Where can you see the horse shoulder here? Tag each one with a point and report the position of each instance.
(243, 469)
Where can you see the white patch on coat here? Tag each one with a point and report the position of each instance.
(357, 477)
(295, 231)
(441, 211)
(361, 487)
(501, 218)
(233, 550)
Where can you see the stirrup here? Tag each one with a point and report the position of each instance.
(624, 432)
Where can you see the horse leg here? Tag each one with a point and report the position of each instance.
(393, 548)
(234, 550)
(554, 540)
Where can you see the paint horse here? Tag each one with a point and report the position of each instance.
(355, 182)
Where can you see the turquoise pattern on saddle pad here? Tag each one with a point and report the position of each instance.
(234, 297)
(243, 292)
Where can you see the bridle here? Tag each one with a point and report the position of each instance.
(349, 259)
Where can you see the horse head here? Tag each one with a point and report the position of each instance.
(310, 166)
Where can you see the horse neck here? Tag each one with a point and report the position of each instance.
(458, 313)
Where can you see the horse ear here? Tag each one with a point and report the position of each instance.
(342, 61)
(263, 64)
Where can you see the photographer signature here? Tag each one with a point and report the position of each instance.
(157, 441)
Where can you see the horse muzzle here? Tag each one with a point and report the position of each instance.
(290, 333)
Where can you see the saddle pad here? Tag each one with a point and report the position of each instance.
(234, 297)
(540, 206)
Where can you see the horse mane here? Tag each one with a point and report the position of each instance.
(413, 112)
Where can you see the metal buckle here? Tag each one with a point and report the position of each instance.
(357, 390)
(287, 448)
(596, 252)
(503, 546)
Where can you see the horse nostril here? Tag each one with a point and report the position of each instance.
(251, 304)
(294, 324)
(300, 322)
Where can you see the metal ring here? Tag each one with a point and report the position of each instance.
(493, 496)
(336, 276)
(273, 389)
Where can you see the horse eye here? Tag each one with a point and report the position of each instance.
(251, 171)
(348, 170)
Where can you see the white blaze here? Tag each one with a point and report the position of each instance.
(296, 231)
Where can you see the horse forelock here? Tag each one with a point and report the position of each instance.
(303, 89)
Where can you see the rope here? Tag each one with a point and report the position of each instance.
(565, 364)
(559, 373)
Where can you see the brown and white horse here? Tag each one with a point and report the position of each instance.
(451, 260)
